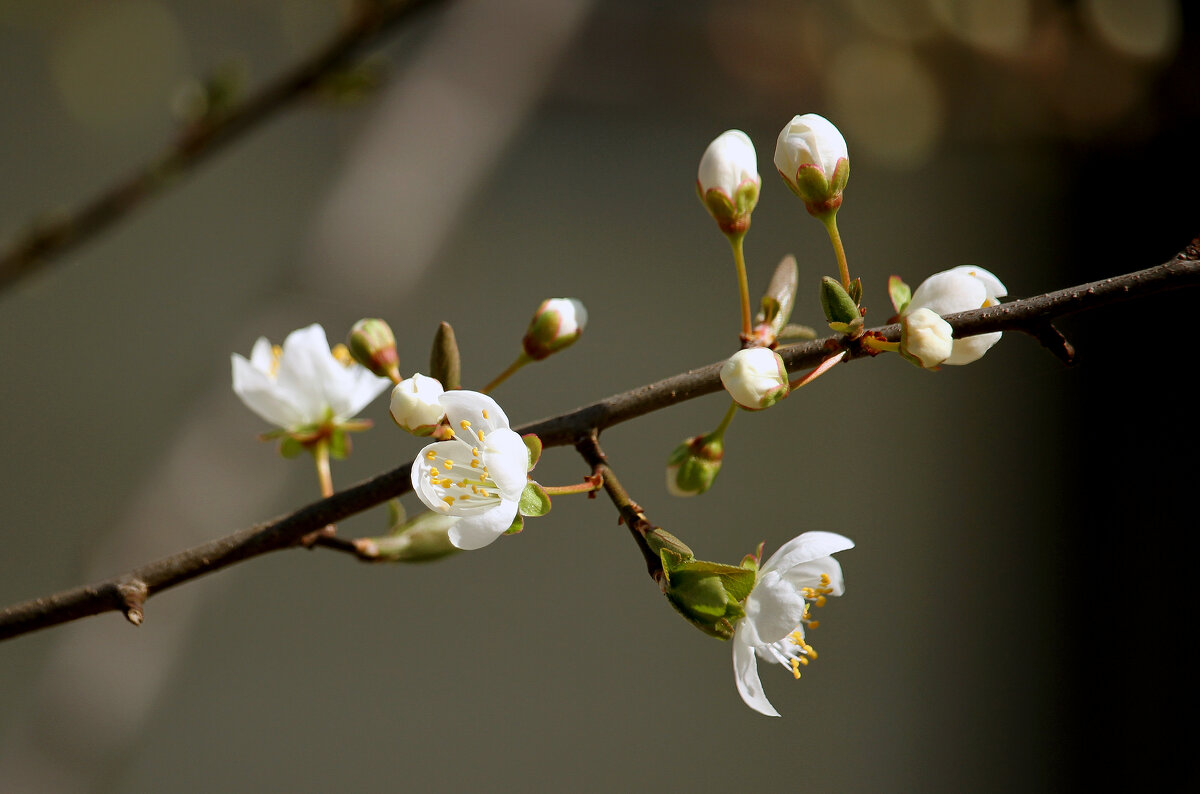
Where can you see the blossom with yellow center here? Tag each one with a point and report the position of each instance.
(304, 383)
(798, 576)
(479, 475)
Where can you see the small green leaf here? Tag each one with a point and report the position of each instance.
(837, 304)
(900, 294)
(534, 501)
(516, 526)
(535, 448)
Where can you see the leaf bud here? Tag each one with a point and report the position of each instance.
(693, 465)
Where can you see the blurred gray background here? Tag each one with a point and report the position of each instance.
(1014, 599)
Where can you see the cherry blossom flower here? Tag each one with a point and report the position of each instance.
(478, 475)
(799, 575)
(960, 289)
(303, 385)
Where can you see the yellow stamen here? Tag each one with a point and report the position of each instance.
(448, 464)
(464, 424)
(431, 455)
(485, 413)
(342, 354)
(448, 500)
(795, 668)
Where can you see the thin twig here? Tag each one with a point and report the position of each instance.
(127, 592)
(51, 238)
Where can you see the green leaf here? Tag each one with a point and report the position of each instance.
(900, 294)
(516, 526)
(534, 501)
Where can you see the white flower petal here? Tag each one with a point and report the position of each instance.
(805, 548)
(972, 348)
(507, 460)
(809, 140)
(775, 607)
(728, 161)
(303, 369)
(745, 675)
(262, 355)
(461, 404)
(475, 532)
(259, 392)
(995, 288)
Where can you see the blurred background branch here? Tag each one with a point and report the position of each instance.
(217, 125)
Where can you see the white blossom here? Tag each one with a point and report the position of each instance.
(303, 384)
(479, 475)
(960, 289)
(414, 405)
(799, 575)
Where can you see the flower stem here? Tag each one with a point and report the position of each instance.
(739, 260)
(880, 345)
(830, 221)
(320, 452)
(719, 433)
(589, 485)
(521, 361)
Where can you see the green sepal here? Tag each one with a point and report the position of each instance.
(900, 294)
(516, 526)
(444, 360)
(289, 447)
(708, 594)
(837, 304)
(534, 501)
(811, 185)
(745, 198)
(856, 291)
(396, 516)
(339, 444)
(534, 445)
(850, 329)
(840, 176)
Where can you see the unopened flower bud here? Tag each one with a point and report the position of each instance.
(444, 361)
(415, 406)
(812, 158)
(755, 377)
(423, 538)
(925, 338)
(694, 465)
(373, 345)
(557, 323)
(728, 181)
(837, 304)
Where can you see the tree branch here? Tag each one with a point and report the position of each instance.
(50, 239)
(127, 592)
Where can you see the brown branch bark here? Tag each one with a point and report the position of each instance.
(45, 242)
(128, 592)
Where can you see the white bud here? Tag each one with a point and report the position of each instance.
(956, 290)
(925, 338)
(755, 378)
(415, 405)
(556, 324)
(728, 162)
(807, 142)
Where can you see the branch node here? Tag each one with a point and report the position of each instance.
(133, 594)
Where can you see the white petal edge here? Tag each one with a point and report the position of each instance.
(805, 548)
(462, 404)
(745, 675)
(474, 532)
